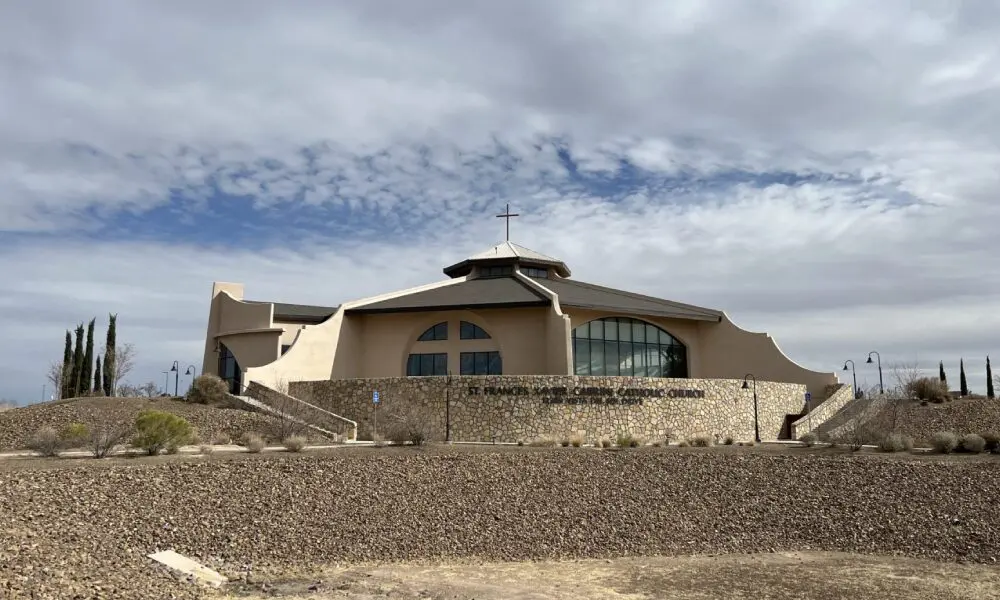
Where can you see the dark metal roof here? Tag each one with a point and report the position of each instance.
(498, 292)
(301, 313)
(507, 253)
(588, 295)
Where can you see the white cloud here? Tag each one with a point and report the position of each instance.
(426, 117)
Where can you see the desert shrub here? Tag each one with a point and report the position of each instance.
(683, 444)
(206, 449)
(603, 442)
(207, 389)
(74, 435)
(156, 430)
(576, 441)
(105, 437)
(944, 442)
(972, 443)
(253, 442)
(408, 424)
(45, 442)
(895, 442)
(809, 439)
(543, 441)
(520, 442)
(701, 440)
(992, 441)
(728, 441)
(294, 443)
(627, 440)
(656, 443)
(927, 388)
(564, 443)
(221, 439)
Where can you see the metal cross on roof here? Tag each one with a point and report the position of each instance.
(507, 215)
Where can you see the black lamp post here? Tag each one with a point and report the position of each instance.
(175, 369)
(193, 372)
(855, 373)
(746, 386)
(881, 389)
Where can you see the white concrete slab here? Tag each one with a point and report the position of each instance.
(198, 571)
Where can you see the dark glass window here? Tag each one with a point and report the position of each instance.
(535, 272)
(424, 365)
(480, 363)
(435, 334)
(284, 348)
(471, 331)
(496, 271)
(627, 347)
(229, 369)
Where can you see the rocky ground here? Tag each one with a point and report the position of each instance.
(959, 416)
(19, 424)
(82, 528)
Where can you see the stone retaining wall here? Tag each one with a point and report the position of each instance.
(510, 408)
(840, 397)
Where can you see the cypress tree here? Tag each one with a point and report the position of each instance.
(97, 376)
(941, 375)
(990, 392)
(87, 374)
(67, 367)
(964, 389)
(109, 357)
(77, 363)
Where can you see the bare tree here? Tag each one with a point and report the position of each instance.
(905, 374)
(55, 376)
(124, 363)
(291, 416)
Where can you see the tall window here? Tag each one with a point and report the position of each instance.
(423, 365)
(434, 334)
(627, 347)
(229, 369)
(481, 363)
(471, 331)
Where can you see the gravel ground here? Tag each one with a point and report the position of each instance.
(18, 425)
(960, 416)
(83, 530)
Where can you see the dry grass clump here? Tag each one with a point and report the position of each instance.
(972, 443)
(627, 440)
(702, 440)
(944, 442)
(809, 439)
(896, 442)
(992, 441)
(206, 449)
(544, 441)
(253, 442)
(927, 388)
(45, 442)
(294, 443)
(207, 389)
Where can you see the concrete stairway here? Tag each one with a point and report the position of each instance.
(254, 405)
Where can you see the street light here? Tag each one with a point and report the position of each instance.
(745, 386)
(854, 371)
(166, 383)
(881, 389)
(177, 375)
(193, 372)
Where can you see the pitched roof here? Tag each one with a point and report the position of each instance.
(495, 292)
(588, 295)
(507, 252)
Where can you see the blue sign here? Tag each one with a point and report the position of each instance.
(375, 397)
(808, 396)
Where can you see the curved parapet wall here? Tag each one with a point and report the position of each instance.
(729, 351)
(511, 408)
(558, 329)
(328, 349)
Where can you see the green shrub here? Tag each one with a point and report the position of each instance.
(701, 441)
(944, 442)
(74, 435)
(45, 441)
(809, 439)
(895, 442)
(972, 443)
(156, 430)
(927, 388)
(295, 443)
(207, 389)
(992, 440)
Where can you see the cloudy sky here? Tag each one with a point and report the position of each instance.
(825, 171)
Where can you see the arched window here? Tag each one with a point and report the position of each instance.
(627, 347)
(229, 369)
(471, 331)
(435, 334)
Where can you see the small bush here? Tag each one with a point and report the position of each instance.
(809, 439)
(972, 443)
(520, 442)
(105, 437)
(156, 430)
(603, 442)
(543, 441)
(564, 443)
(627, 440)
(207, 389)
(253, 442)
(992, 441)
(295, 443)
(895, 442)
(728, 441)
(923, 403)
(206, 449)
(74, 435)
(683, 444)
(927, 388)
(45, 442)
(701, 441)
(576, 441)
(944, 442)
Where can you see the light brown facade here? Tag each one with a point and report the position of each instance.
(529, 320)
